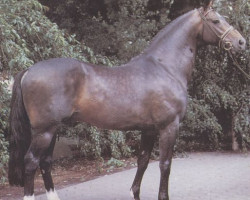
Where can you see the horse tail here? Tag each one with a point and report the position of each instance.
(20, 134)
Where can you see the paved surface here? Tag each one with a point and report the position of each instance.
(200, 176)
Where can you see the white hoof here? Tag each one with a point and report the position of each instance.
(52, 195)
(29, 197)
(132, 194)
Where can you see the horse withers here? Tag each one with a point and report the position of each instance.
(149, 94)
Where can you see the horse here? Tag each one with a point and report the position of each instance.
(148, 94)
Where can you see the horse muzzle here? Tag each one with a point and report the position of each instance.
(238, 45)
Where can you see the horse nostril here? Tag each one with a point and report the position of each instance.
(241, 42)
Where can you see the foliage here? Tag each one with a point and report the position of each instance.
(28, 36)
(119, 30)
(200, 128)
(4, 113)
(4, 98)
(3, 158)
(114, 162)
(96, 143)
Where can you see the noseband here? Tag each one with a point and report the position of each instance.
(227, 45)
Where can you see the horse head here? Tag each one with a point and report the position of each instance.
(216, 30)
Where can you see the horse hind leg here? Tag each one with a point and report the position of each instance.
(31, 162)
(45, 167)
(147, 143)
(39, 148)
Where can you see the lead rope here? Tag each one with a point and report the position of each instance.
(238, 65)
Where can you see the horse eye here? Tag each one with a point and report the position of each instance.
(216, 21)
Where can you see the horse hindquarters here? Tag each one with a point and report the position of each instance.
(27, 154)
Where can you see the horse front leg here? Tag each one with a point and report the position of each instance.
(166, 144)
(147, 143)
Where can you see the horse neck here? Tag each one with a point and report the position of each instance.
(174, 47)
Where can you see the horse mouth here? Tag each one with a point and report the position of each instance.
(236, 49)
(233, 51)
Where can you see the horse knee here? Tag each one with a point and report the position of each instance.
(144, 157)
(165, 166)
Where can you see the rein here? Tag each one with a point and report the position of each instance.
(238, 65)
(226, 45)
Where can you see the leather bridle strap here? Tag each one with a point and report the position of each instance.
(222, 43)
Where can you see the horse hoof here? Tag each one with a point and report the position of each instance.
(52, 195)
(29, 197)
(132, 194)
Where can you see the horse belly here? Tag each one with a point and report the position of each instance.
(112, 110)
(124, 113)
(113, 116)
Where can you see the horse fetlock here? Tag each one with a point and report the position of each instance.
(163, 196)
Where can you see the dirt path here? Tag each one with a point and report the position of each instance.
(200, 176)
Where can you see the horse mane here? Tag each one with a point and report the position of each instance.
(161, 34)
(169, 27)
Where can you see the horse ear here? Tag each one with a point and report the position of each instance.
(208, 4)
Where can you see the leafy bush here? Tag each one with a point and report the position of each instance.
(200, 128)
(4, 156)
(96, 143)
(4, 110)
(28, 36)
(119, 30)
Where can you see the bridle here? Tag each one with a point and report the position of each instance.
(227, 45)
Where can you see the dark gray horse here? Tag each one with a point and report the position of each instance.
(149, 94)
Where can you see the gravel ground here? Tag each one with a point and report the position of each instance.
(199, 176)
